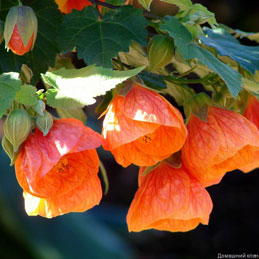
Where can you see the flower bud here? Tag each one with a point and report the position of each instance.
(1, 31)
(8, 148)
(20, 30)
(44, 123)
(17, 127)
(39, 107)
(160, 51)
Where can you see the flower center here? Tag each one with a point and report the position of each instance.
(62, 165)
(146, 139)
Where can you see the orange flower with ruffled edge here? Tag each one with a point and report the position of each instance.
(142, 128)
(224, 143)
(58, 172)
(169, 199)
(252, 114)
(66, 6)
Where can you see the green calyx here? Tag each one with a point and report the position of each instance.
(26, 21)
(198, 105)
(160, 51)
(17, 127)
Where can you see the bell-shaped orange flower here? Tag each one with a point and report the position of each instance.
(58, 172)
(66, 6)
(224, 143)
(252, 114)
(169, 199)
(142, 128)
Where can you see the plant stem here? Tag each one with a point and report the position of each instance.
(19, 2)
(187, 72)
(105, 178)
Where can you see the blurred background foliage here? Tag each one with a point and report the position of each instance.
(102, 232)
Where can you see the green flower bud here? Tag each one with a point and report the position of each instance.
(39, 107)
(160, 51)
(17, 127)
(1, 31)
(44, 123)
(8, 148)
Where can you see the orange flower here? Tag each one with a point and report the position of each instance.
(66, 6)
(58, 172)
(226, 142)
(252, 114)
(142, 128)
(169, 199)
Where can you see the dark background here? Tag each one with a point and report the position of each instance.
(102, 231)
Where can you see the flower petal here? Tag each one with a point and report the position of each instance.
(82, 198)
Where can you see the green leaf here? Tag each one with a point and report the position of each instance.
(180, 92)
(182, 4)
(254, 36)
(200, 14)
(9, 85)
(44, 52)
(27, 95)
(226, 45)
(251, 86)
(76, 113)
(98, 41)
(104, 104)
(145, 3)
(189, 50)
(78, 87)
(152, 80)
(197, 105)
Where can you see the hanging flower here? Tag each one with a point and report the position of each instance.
(20, 30)
(142, 128)
(58, 172)
(169, 199)
(66, 6)
(252, 114)
(224, 143)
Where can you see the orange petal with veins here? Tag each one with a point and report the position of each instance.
(169, 199)
(252, 114)
(226, 142)
(142, 128)
(59, 165)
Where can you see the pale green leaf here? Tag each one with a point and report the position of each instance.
(182, 4)
(145, 3)
(9, 85)
(79, 87)
(76, 113)
(181, 93)
(27, 95)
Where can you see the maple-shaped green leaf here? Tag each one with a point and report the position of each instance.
(226, 45)
(44, 53)
(190, 50)
(182, 4)
(27, 95)
(9, 85)
(98, 41)
(78, 87)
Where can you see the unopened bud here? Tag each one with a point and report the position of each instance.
(17, 127)
(160, 51)
(44, 123)
(20, 30)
